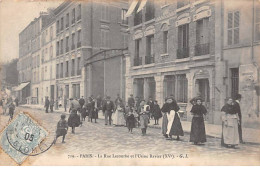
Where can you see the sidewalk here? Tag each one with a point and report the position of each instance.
(249, 135)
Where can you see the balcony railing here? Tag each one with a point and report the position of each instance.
(72, 47)
(138, 18)
(66, 74)
(78, 72)
(183, 53)
(201, 49)
(137, 61)
(67, 49)
(149, 59)
(78, 44)
(79, 17)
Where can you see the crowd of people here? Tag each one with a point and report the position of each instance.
(138, 113)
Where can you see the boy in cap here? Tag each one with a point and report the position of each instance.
(62, 128)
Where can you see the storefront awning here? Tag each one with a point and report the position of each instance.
(21, 86)
(131, 8)
(143, 3)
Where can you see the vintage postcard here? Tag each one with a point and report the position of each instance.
(129, 82)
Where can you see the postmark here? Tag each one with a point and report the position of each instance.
(22, 137)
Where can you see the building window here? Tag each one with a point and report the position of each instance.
(79, 66)
(183, 41)
(57, 26)
(182, 3)
(73, 16)
(57, 48)
(57, 71)
(105, 40)
(61, 23)
(67, 44)
(202, 37)
(61, 70)
(51, 51)
(73, 41)
(67, 69)
(42, 56)
(51, 33)
(51, 71)
(72, 67)
(149, 58)
(79, 12)
(165, 41)
(79, 39)
(233, 27)
(234, 82)
(124, 19)
(138, 18)
(137, 58)
(61, 46)
(104, 12)
(67, 20)
(182, 88)
(257, 21)
(150, 10)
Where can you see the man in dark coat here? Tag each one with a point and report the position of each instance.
(52, 105)
(108, 109)
(238, 111)
(47, 104)
(131, 101)
(81, 102)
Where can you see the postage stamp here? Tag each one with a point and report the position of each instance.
(21, 137)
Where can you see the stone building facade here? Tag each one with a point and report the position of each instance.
(178, 48)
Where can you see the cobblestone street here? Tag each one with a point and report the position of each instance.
(94, 140)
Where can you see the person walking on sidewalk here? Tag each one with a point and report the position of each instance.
(151, 104)
(81, 102)
(230, 120)
(108, 109)
(174, 126)
(238, 110)
(11, 110)
(74, 118)
(62, 128)
(198, 133)
(51, 105)
(47, 104)
(65, 103)
(156, 113)
(144, 116)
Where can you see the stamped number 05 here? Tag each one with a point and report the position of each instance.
(28, 136)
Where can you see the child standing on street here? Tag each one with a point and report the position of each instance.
(144, 117)
(62, 128)
(130, 122)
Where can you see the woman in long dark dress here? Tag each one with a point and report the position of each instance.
(174, 126)
(156, 113)
(198, 133)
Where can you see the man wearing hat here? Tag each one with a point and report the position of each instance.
(108, 108)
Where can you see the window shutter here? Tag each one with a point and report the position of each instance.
(236, 35)
(230, 37)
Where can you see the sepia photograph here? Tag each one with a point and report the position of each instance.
(129, 82)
